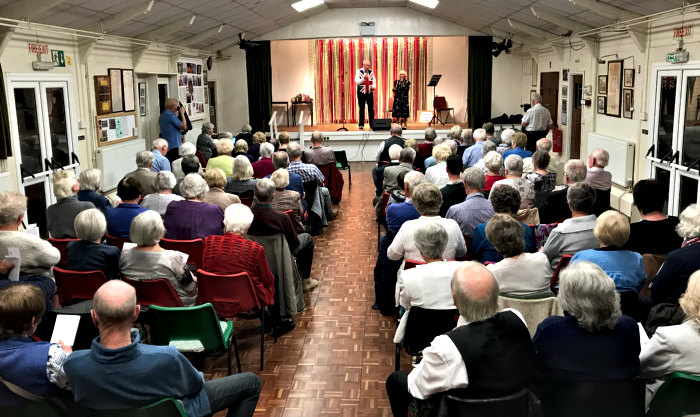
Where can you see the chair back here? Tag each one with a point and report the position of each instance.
(248, 201)
(439, 103)
(382, 163)
(534, 311)
(117, 241)
(35, 408)
(652, 264)
(677, 397)
(193, 248)
(541, 198)
(514, 405)
(229, 294)
(186, 324)
(385, 202)
(565, 398)
(61, 244)
(425, 325)
(290, 214)
(468, 239)
(77, 284)
(528, 216)
(200, 157)
(461, 149)
(602, 202)
(563, 263)
(310, 190)
(167, 407)
(156, 292)
(410, 264)
(341, 159)
(327, 171)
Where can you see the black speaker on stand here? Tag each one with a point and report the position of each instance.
(380, 124)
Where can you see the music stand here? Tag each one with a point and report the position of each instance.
(434, 80)
(342, 102)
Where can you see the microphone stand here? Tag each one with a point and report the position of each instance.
(342, 103)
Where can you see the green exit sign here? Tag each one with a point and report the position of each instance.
(677, 57)
(58, 58)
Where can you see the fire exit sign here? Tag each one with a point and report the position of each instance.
(58, 58)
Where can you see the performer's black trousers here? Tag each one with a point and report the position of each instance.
(369, 99)
(532, 138)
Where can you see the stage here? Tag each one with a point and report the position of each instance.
(352, 127)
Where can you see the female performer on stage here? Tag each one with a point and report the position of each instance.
(400, 110)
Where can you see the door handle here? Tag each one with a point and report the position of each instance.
(651, 150)
(675, 156)
(48, 166)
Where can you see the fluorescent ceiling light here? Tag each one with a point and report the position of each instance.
(427, 3)
(302, 5)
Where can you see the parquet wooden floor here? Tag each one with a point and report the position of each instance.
(336, 361)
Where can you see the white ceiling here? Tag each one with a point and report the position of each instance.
(258, 17)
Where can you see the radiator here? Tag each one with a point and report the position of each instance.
(115, 161)
(5, 184)
(621, 163)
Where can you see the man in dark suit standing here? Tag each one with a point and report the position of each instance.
(556, 206)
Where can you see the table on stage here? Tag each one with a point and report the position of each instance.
(300, 103)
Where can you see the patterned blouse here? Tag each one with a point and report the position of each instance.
(543, 182)
(240, 187)
(524, 187)
(54, 366)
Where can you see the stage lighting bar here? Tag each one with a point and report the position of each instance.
(431, 4)
(302, 5)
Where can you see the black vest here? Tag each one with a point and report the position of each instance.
(394, 140)
(498, 354)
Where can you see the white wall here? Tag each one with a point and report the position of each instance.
(290, 74)
(232, 91)
(450, 59)
(506, 96)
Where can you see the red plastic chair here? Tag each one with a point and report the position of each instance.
(563, 263)
(248, 201)
(158, 292)
(117, 241)
(410, 264)
(200, 157)
(327, 171)
(194, 248)
(468, 243)
(77, 284)
(290, 213)
(382, 163)
(236, 289)
(61, 244)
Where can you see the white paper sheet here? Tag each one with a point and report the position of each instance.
(13, 258)
(32, 229)
(128, 245)
(65, 329)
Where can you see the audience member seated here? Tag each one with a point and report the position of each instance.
(518, 273)
(205, 144)
(455, 133)
(624, 267)
(241, 181)
(506, 141)
(189, 165)
(241, 149)
(395, 139)
(437, 174)
(61, 215)
(398, 196)
(378, 171)
(232, 253)
(556, 207)
(268, 221)
(545, 145)
(514, 179)
(192, 218)
(285, 199)
(475, 209)
(597, 176)
(406, 158)
(453, 192)
(465, 358)
(318, 154)
(160, 162)
(281, 160)
(244, 135)
(519, 141)
(493, 162)
(284, 141)
(574, 234)
(486, 147)
(89, 253)
(147, 373)
(89, 186)
(184, 150)
(400, 213)
(148, 261)
(427, 200)
(427, 286)
(119, 218)
(158, 201)
(467, 140)
(671, 280)
(143, 174)
(541, 179)
(216, 180)
(594, 342)
(223, 160)
(310, 173)
(430, 161)
(656, 232)
(473, 153)
(490, 130)
(264, 166)
(411, 143)
(452, 144)
(254, 150)
(425, 149)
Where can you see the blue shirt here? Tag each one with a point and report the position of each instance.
(134, 375)
(119, 219)
(170, 129)
(624, 267)
(398, 214)
(101, 202)
(475, 210)
(517, 151)
(161, 163)
(295, 184)
(472, 155)
(483, 250)
(429, 161)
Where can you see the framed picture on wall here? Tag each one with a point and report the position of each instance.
(115, 80)
(128, 89)
(565, 75)
(142, 99)
(602, 84)
(614, 102)
(627, 103)
(564, 91)
(629, 78)
(601, 104)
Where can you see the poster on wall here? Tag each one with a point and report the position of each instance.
(128, 88)
(190, 87)
(142, 99)
(115, 79)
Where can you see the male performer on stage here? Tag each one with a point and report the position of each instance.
(366, 84)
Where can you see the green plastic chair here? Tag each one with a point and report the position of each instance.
(167, 407)
(678, 396)
(194, 331)
(38, 408)
(341, 162)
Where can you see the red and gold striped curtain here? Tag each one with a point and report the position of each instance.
(332, 57)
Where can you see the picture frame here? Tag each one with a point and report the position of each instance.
(564, 91)
(601, 104)
(629, 78)
(128, 90)
(532, 95)
(563, 118)
(142, 99)
(103, 95)
(602, 84)
(627, 103)
(614, 100)
(116, 89)
(565, 74)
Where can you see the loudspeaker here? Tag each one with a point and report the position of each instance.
(380, 124)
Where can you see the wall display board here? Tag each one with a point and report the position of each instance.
(103, 95)
(613, 105)
(115, 80)
(128, 89)
(115, 128)
(191, 87)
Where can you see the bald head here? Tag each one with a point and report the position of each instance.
(366, 64)
(114, 305)
(396, 130)
(475, 292)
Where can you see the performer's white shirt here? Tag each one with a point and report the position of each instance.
(360, 78)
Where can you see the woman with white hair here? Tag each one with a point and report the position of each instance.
(241, 149)
(493, 162)
(264, 166)
(232, 253)
(159, 201)
(486, 147)
(437, 174)
(597, 176)
(192, 218)
(89, 253)
(514, 172)
(205, 144)
(241, 182)
(506, 141)
(455, 134)
(184, 150)
(216, 180)
(223, 160)
(594, 343)
(89, 185)
(61, 215)
(148, 261)
(401, 105)
(284, 199)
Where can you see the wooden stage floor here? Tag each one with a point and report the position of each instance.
(353, 127)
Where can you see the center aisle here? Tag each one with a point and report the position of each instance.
(336, 360)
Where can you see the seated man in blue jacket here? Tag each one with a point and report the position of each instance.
(120, 372)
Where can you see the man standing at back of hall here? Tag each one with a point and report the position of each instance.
(171, 127)
(536, 123)
(366, 84)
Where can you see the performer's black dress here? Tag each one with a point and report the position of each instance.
(400, 109)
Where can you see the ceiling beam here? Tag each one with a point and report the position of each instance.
(505, 35)
(5, 36)
(536, 32)
(156, 34)
(113, 22)
(200, 37)
(639, 36)
(571, 26)
(225, 43)
(139, 51)
(535, 56)
(590, 42)
(606, 10)
(558, 50)
(25, 8)
(85, 48)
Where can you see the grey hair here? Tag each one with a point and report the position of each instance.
(165, 180)
(264, 190)
(431, 240)
(90, 179)
(242, 169)
(493, 161)
(471, 308)
(479, 134)
(147, 228)
(246, 129)
(407, 155)
(144, 159)
(506, 234)
(544, 144)
(487, 146)
(581, 196)
(266, 149)
(456, 132)
(241, 146)
(237, 219)
(90, 225)
(207, 127)
(224, 146)
(294, 150)
(226, 135)
(689, 225)
(413, 179)
(587, 293)
(186, 149)
(317, 137)
(395, 152)
(467, 138)
(193, 186)
(430, 134)
(575, 170)
(427, 199)
(280, 160)
(452, 144)
(507, 136)
(514, 164)
(537, 98)
(12, 205)
(474, 178)
(396, 130)
(601, 156)
(438, 141)
(159, 143)
(281, 178)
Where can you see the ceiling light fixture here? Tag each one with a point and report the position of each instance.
(427, 3)
(302, 5)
